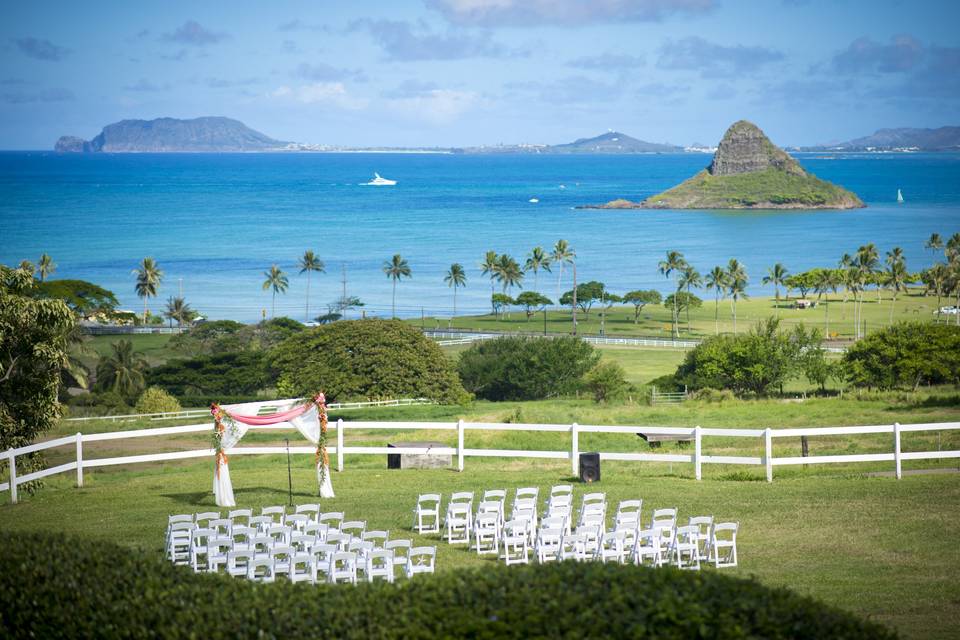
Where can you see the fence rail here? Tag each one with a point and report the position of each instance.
(696, 435)
(199, 413)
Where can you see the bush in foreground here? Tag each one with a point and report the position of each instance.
(512, 368)
(55, 587)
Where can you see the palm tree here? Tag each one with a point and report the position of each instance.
(562, 255)
(953, 249)
(717, 280)
(776, 275)
(149, 277)
(690, 279)
(897, 279)
(934, 243)
(827, 280)
(179, 310)
(737, 280)
(46, 266)
(538, 259)
(396, 268)
(122, 371)
(508, 272)
(674, 264)
(865, 264)
(935, 278)
(488, 268)
(456, 277)
(278, 282)
(309, 263)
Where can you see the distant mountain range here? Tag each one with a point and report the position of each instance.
(905, 139)
(225, 135)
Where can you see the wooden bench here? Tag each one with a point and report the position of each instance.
(655, 439)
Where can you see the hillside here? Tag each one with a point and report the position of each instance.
(749, 172)
(613, 142)
(208, 134)
(942, 139)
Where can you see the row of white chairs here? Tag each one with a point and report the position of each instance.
(428, 516)
(314, 553)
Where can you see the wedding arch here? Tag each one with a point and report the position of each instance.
(231, 422)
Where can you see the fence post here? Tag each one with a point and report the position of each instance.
(339, 444)
(459, 445)
(697, 465)
(13, 475)
(79, 459)
(574, 449)
(896, 450)
(768, 453)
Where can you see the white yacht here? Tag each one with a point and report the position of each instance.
(380, 182)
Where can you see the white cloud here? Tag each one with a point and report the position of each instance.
(328, 93)
(436, 106)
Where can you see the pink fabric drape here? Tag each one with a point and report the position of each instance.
(271, 418)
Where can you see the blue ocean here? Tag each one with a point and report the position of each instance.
(215, 223)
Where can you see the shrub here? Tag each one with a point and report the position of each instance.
(713, 395)
(224, 374)
(905, 355)
(51, 586)
(755, 362)
(156, 400)
(366, 359)
(606, 381)
(513, 368)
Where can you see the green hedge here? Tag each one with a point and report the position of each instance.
(54, 587)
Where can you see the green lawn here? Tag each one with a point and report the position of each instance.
(879, 547)
(655, 320)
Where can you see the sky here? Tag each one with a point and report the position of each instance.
(473, 72)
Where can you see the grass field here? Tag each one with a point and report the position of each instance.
(876, 546)
(832, 316)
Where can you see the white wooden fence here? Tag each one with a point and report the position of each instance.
(764, 438)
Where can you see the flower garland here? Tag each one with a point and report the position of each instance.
(219, 429)
(320, 401)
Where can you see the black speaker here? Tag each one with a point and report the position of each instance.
(589, 467)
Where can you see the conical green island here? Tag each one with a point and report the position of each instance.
(749, 172)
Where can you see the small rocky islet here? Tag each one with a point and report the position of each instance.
(747, 172)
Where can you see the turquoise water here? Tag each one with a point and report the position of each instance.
(216, 222)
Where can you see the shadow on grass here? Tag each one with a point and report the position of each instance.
(275, 495)
(931, 402)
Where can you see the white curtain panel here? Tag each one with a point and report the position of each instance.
(309, 425)
(222, 487)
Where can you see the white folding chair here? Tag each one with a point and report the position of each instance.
(178, 543)
(301, 567)
(202, 519)
(400, 550)
(704, 526)
(525, 508)
(457, 522)
(486, 532)
(217, 549)
(378, 537)
(421, 560)
(261, 544)
(310, 510)
(516, 542)
(426, 515)
(548, 544)
(648, 550)
(630, 506)
(317, 530)
(593, 502)
(463, 497)
(573, 547)
(342, 540)
(280, 534)
(320, 555)
(723, 544)
(666, 521)
(362, 549)
(685, 550)
(276, 513)
(591, 538)
(297, 521)
(560, 511)
(198, 548)
(626, 520)
(353, 528)
(527, 492)
(343, 567)
(180, 517)
(332, 519)
(260, 523)
(379, 564)
(610, 548)
(240, 517)
(561, 490)
(238, 562)
(242, 537)
(282, 556)
(260, 569)
(528, 517)
(223, 526)
(302, 542)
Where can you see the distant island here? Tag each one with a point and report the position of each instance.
(165, 135)
(899, 140)
(612, 142)
(748, 172)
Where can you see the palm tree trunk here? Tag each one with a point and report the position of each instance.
(454, 306)
(308, 296)
(273, 305)
(393, 308)
(559, 278)
(688, 308)
(676, 331)
(716, 315)
(144, 309)
(734, 315)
